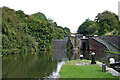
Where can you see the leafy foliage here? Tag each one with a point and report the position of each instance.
(108, 22)
(105, 23)
(88, 27)
(40, 16)
(67, 32)
(21, 32)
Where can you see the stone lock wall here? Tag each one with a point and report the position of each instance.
(95, 45)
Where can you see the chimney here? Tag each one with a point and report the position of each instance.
(119, 10)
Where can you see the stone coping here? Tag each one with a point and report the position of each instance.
(110, 70)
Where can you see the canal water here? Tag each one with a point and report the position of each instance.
(45, 64)
(30, 65)
(101, 56)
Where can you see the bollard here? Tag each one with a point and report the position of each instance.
(118, 75)
(103, 68)
(93, 58)
(112, 62)
(81, 57)
(84, 36)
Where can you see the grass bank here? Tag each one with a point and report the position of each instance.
(115, 52)
(71, 70)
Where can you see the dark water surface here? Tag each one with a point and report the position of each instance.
(29, 65)
(44, 64)
(101, 56)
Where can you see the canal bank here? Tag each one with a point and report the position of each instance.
(85, 45)
(44, 64)
(84, 69)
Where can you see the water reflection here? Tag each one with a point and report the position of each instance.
(29, 65)
(100, 55)
(45, 64)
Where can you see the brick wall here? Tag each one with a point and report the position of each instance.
(95, 45)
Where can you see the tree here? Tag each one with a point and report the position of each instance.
(21, 32)
(88, 27)
(108, 22)
(39, 16)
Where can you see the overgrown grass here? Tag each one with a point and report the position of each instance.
(71, 70)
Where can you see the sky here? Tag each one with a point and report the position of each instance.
(67, 13)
